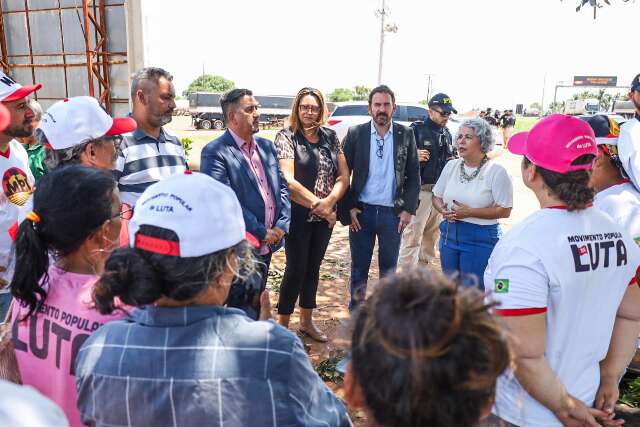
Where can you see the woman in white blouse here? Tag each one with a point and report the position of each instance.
(472, 193)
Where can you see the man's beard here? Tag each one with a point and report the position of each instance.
(165, 119)
(23, 131)
(636, 104)
(382, 119)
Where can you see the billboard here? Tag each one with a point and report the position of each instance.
(607, 81)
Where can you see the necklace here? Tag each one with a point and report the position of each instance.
(465, 177)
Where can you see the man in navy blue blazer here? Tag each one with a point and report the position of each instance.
(249, 165)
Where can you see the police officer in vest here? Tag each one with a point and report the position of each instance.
(435, 148)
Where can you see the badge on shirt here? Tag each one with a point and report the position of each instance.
(16, 187)
(501, 286)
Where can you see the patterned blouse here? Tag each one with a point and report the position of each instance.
(327, 169)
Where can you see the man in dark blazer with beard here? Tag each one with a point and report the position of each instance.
(385, 184)
(249, 166)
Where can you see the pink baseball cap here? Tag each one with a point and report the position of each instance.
(555, 142)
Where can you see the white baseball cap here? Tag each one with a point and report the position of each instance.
(76, 120)
(10, 90)
(204, 213)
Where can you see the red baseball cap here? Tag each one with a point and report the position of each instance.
(555, 142)
(10, 90)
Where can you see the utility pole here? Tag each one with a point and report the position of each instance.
(429, 86)
(384, 28)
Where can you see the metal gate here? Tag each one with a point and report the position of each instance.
(72, 47)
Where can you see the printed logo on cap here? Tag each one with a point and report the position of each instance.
(168, 205)
(8, 81)
(587, 141)
(15, 186)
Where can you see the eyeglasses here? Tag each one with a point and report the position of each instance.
(251, 109)
(309, 108)
(442, 113)
(116, 139)
(380, 149)
(125, 214)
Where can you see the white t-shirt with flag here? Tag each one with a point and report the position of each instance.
(17, 186)
(575, 267)
(629, 149)
(622, 203)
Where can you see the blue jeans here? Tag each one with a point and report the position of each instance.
(380, 222)
(465, 249)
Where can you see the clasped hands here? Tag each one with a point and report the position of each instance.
(460, 211)
(324, 209)
(273, 236)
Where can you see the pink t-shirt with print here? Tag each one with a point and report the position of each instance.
(47, 345)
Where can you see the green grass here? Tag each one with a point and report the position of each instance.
(524, 123)
(630, 391)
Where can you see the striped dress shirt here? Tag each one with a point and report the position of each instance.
(200, 366)
(144, 160)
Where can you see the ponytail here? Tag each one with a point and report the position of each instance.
(32, 262)
(70, 204)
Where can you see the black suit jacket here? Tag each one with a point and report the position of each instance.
(357, 144)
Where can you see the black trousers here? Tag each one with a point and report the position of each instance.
(305, 248)
(245, 294)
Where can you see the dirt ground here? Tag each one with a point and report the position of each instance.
(332, 315)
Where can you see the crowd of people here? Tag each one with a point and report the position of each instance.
(503, 120)
(135, 288)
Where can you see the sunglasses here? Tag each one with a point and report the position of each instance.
(380, 149)
(442, 113)
(308, 91)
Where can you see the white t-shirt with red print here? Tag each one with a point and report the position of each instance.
(575, 267)
(622, 203)
(17, 185)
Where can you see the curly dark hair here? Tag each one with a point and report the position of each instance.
(572, 187)
(426, 353)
